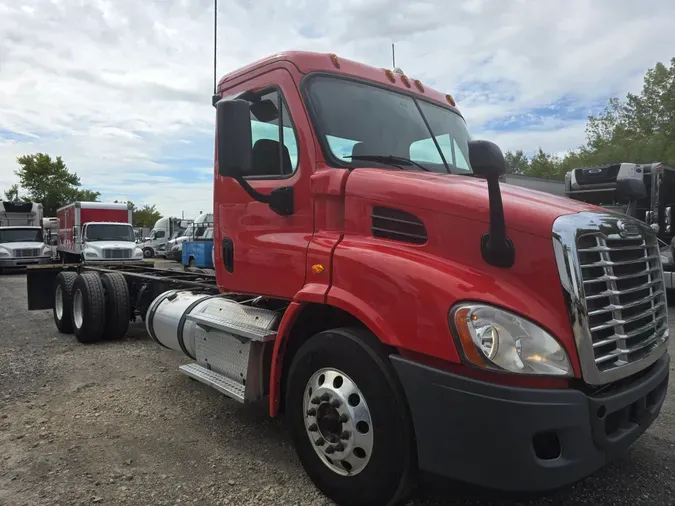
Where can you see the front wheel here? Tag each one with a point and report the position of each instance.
(349, 419)
(148, 253)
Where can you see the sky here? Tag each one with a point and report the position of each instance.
(121, 89)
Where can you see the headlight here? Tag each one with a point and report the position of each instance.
(90, 254)
(139, 252)
(498, 340)
(4, 253)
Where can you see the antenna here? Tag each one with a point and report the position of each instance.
(215, 96)
(393, 56)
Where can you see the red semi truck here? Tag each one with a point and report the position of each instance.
(96, 232)
(377, 284)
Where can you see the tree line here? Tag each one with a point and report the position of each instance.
(637, 129)
(49, 182)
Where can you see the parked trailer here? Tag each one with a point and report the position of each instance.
(375, 283)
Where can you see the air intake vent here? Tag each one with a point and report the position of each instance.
(397, 225)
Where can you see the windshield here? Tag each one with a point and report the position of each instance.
(21, 235)
(359, 119)
(109, 232)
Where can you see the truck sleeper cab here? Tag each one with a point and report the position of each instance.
(376, 284)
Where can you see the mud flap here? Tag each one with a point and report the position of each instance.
(40, 286)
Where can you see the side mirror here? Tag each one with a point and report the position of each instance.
(486, 159)
(233, 124)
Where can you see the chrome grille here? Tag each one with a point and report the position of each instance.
(612, 280)
(625, 296)
(116, 253)
(26, 252)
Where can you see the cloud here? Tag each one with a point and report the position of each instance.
(121, 89)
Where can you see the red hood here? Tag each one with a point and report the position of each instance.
(525, 210)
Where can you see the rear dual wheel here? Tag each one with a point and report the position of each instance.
(92, 307)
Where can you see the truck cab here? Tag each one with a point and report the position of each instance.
(162, 233)
(22, 241)
(106, 241)
(23, 246)
(405, 311)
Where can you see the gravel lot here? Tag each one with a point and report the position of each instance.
(115, 423)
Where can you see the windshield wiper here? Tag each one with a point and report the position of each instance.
(390, 159)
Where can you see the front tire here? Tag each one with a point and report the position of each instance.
(88, 308)
(63, 301)
(349, 419)
(148, 253)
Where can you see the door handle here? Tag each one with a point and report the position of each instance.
(228, 254)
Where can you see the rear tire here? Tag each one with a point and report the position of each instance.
(117, 305)
(88, 308)
(370, 424)
(63, 301)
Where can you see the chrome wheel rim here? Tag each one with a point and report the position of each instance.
(58, 302)
(78, 308)
(338, 421)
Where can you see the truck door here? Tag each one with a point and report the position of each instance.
(256, 250)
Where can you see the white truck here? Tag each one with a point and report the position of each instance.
(96, 232)
(165, 229)
(174, 248)
(21, 239)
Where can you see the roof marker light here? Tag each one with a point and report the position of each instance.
(335, 60)
(405, 80)
(450, 100)
(418, 83)
(390, 75)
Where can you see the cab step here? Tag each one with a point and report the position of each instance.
(221, 383)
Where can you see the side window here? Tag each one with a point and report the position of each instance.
(275, 148)
(160, 234)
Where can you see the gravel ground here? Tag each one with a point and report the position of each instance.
(115, 423)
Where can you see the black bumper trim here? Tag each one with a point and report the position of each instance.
(482, 433)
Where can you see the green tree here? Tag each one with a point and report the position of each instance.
(516, 163)
(49, 182)
(146, 216)
(13, 193)
(638, 129)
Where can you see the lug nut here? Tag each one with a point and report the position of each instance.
(311, 412)
(316, 400)
(339, 447)
(325, 397)
(345, 434)
(319, 442)
(330, 450)
(335, 403)
(344, 418)
(312, 428)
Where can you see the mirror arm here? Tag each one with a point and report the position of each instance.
(280, 200)
(496, 248)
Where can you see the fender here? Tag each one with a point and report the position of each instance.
(290, 316)
(337, 298)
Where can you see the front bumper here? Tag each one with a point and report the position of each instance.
(523, 439)
(15, 263)
(113, 260)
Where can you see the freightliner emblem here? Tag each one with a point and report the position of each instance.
(627, 228)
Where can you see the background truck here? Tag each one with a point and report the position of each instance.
(376, 284)
(194, 231)
(165, 229)
(198, 252)
(95, 232)
(21, 238)
(644, 191)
